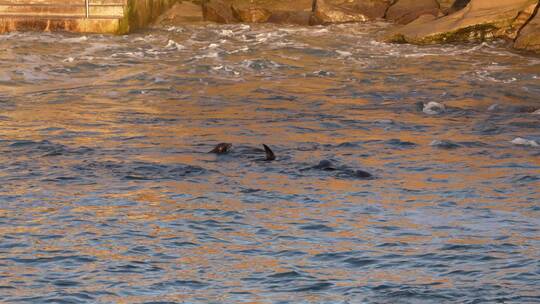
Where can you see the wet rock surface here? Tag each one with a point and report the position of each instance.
(426, 21)
(258, 11)
(344, 11)
(529, 36)
(181, 13)
(445, 5)
(480, 20)
(406, 11)
(219, 11)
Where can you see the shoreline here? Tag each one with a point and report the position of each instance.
(423, 22)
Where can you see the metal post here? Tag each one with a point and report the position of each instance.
(87, 4)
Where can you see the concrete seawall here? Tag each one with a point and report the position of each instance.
(83, 16)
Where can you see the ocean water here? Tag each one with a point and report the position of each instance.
(108, 194)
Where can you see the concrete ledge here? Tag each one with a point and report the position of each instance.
(78, 25)
(105, 16)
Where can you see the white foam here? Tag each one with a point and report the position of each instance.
(88, 58)
(226, 33)
(344, 53)
(207, 55)
(436, 142)
(486, 75)
(153, 52)
(174, 29)
(319, 31)
(171, 44)
(240, 50)
(493, 107)
(128, 54)
(75, 40)
(159, 79)
(384, 122)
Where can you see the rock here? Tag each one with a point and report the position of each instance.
(405, 11)
(218, 11)
(480, 20)
(434, 108)
(343, 11)
(258, 11)
(445, 5)
(529, 36)
(184, 12)
(524, 142)
(294, 17)
(275, 11)
(424, 19)
(251, 14)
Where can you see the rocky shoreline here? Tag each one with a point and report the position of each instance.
(420, 21)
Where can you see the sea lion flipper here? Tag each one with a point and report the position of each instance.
(269, 153)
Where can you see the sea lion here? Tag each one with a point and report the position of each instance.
(349, 173)
(325, 165)
(270, 156)
(342, 171)
(222, 148)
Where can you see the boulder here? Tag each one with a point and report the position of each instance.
(480, 20)
(218, 11)
(405, 11)
(251, 14)
(291, 12)
(529, 36)
(445, 5)
(291, 17)
(276, 11)
(423, 19)
(343, 11)
(184, 12)
(257, 11)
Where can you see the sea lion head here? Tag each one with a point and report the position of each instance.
(222, 148)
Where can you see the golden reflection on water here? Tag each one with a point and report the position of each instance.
(239, 221)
